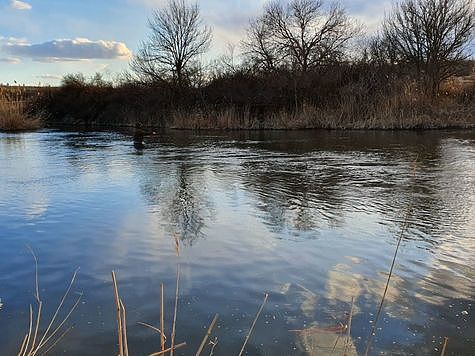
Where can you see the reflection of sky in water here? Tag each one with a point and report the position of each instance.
(311, 217)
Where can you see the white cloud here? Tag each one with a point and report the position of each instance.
(20, 5)
(49, 77)
(10, 60)
(64, 50)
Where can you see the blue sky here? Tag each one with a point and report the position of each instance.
(41, 40)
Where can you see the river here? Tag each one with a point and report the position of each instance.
(310, 217)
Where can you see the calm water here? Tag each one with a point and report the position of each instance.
(312, 218)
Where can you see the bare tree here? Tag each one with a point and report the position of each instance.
(259, 47)
(433, 36)
(178, 35)
(306, 33)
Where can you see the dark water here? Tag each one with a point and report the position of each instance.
(312, 218)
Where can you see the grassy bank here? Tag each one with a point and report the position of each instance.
(15, 111)
(342, 97)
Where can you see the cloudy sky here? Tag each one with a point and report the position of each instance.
(41, 40)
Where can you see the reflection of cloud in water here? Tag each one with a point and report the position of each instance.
(451, 274)
(36, 204)
(343, 284)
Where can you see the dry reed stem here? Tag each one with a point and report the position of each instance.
(153, 328)
(23, 345)
(28, 335)
(119, 319)
(253, 324)
(348, 335)
(444, 348)
(169, 349)
(162, 318)
(393, 263)
(59, 326)
(207, 335)
(45, 337)
(38, 319)
(31, 349)
(37, 295)
(124, 328)
(58, 340)
(176, 309)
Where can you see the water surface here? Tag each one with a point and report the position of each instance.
(312, 218)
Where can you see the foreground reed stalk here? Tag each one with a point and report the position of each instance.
(35, 342)
(254, 324)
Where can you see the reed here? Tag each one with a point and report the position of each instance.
(14, 114)
(38, 341)
(246, 340)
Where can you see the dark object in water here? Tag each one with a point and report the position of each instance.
(138, 137)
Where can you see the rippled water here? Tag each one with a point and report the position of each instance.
(312, 218)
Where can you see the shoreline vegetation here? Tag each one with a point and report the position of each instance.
(302, 64)
(15, 110)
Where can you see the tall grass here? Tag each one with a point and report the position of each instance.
(14, 115)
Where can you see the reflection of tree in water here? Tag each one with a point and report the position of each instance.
(296, 195)
(179, 198)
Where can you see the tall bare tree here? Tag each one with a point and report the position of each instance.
(259, 47)
(307, 33)
(433, 36)
(178, 36)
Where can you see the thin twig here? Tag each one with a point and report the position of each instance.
(23, 345)
(207, 335)
(446, 340)
(40, 345)
(176, 309)
(37, 289)
(253, 324)
(42, 342)
(152, 327)
(57, 340)
(168, 350)
(348, 335)
(30, 330)
(378, 314)
(119, 319)
(162, 318)
(38, 319)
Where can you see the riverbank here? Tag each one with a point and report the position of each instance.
(346, 97)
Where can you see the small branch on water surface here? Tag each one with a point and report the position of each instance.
(254, 324)
(207, 335)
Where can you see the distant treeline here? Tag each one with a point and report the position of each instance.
(303, 64)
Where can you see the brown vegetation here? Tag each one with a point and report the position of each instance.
(347, 96)
(14, 111)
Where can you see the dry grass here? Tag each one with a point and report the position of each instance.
(13, 111)
(406, 108)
